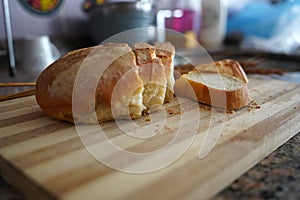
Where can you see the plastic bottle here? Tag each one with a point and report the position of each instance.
(184, 17)
(214, 23)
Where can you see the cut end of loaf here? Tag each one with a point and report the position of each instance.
(215, 86)
(156, 71)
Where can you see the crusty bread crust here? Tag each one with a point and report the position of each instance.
(233, 98)
(144, 52)
(103, 83)
(59, 105)
(55, 84)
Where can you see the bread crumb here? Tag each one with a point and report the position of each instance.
(255, 90)
(205, 107)
(167, 128)
(253, 105)
(230, 111)
(148, 119)
(172, 112)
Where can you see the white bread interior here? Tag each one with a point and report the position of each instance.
(152, 72)
(217, 81)
(220, 84)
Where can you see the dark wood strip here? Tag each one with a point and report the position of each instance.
(54, 151)
(27, 102)
(77, 177)
(27, 135)
(21, 118)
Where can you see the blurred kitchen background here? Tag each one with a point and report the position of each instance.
(264, 35)
(34, 33)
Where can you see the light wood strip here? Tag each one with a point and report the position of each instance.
(17, 102)
(25, 147)
(25, 126)
(17, 105)
(69, 166)
(18, 112)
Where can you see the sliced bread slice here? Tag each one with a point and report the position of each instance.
(220, 84)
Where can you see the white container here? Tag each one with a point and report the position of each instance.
(214, 23)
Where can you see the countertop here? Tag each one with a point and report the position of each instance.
(275, 177)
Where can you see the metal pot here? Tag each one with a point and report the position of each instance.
(112, 18)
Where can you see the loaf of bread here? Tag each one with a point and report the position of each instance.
(220, 84)
(109, 83)
(54, 89)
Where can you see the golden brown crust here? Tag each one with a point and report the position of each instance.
(55, 85)
(102, 83)
(144, 53)
(59, 105)
(221, 98)
(224, 98)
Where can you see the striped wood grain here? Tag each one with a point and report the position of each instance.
(46, 159)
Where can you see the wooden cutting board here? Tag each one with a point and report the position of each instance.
(46, 159)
